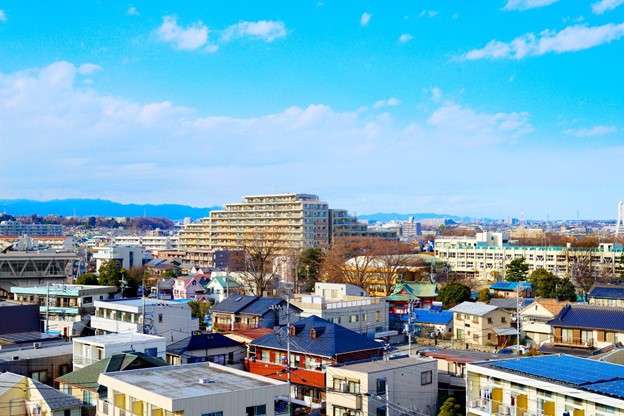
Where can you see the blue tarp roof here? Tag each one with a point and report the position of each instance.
(426, 316)
(510, 285)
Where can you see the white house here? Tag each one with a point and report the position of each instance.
(169, 319)
(88, 350)
(127, 256)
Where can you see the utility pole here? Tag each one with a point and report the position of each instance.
(143, 299)
(47, 323)
(409, 327)
(518, 303)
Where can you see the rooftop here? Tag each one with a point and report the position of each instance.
(474, 308)
(123, 338)
(64, 349)
(607, 292)
(590, 316)
(183, 381)
(382, 365)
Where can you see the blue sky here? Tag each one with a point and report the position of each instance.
(494, 109)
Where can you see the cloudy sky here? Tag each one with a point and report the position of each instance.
(496, 109)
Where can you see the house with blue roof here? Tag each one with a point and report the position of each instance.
(585, 330)
(603, 295)
(547, 385)
(512, 289)
(314, 344)
(432, 321)
(243, 312)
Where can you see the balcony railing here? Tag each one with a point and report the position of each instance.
(236, 327)
(573, 341)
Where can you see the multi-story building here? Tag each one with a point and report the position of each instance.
(480, 324)
(189, 389)
(19, 229)
(405, 385)
(486, 256)
(290, 221)
(535, 318)
(149, 242)
(546, 385)
(127, 256)
(88, 350)
(172, 320)
(30, 268)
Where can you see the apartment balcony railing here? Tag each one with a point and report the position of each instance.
(236, 327)
(484, 406)
(573, 341)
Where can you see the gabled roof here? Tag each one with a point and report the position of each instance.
(511, 286)
(510, 303)
(56, 400)
(551, 305)
(8, 381)
(202, 342)
(474, 308)
(234, 303)
(426, 316)
(590, 316)
(607, 292)
(331, 339)
(87, 377)
(404, 291)
(225, 280)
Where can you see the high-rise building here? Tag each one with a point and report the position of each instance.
(619, 225)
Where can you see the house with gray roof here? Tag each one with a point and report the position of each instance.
(478, 324)
(242, 312)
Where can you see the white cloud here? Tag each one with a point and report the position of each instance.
(262, 29)
(88, 69)
(605, 6)
(436, 94)
(365, 19)
(132, 11)
(405, 37)
(3, 17)
(570, 39)
(190, 38)
(390, 102)
(592, 131)
(522, 5)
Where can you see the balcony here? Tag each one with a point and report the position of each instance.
(225, 327)
(577, 342)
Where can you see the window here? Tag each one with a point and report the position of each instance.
(160, 317)
(353, 318)
(256, 410)
(381, 385)
(503, 319)
(87, 398)
(490, 320)
(152, 352)
(265, 355)
(67, 412)
(426, 377)
(67, 389)
(41, 376)
(378, 316)
(213, 414)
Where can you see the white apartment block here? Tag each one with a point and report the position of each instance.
(201, 389)
(149, 242)
(477, 257)
(550, 385)
(169, 319)
(19, 229)
(88, 350)
(406, 385)
(127, 256)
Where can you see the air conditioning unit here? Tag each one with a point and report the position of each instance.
(503, 410)
(36, 345)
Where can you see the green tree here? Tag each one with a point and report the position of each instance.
(517, 270)
(566, 290)
(199, 310)
(87, 279)
(133, 279)
(110, 273)
(308, 268)
(453, 293)
(451, 408)
(545, 282)
(484, 295)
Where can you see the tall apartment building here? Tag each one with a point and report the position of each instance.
(17, 228)
(477, 257)
(292, 221)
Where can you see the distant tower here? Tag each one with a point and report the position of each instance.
(619, 225)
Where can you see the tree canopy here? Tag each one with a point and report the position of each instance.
(309, 267)
(109, 273)
(548, 285)
(453, 293)
(87, 279)
(451, 408)
(517, 270)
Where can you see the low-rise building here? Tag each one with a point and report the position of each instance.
(477, 323)
(242, 312)
(170, 319)
(44, 363)
(127, 256)
(190, 287)
(603, 295)
(221, 286)
(512, 289)
(544, 385)
(88, 350)
(189, 389)
(408, 295)
(404, 385)
(434, 322)
(535, 317)
(214, 347)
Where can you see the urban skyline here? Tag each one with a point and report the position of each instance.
(501, 109)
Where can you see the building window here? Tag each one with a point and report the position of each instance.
(381, 385)
(503, 319)
(259, 410)
(353, 318)
(152, 352)
(213, 414)
(490, 320)
(67, 389)
(378, 316)
(41, 376)
(87, 398)
(426, 377)
(265, 355)
(160, 317)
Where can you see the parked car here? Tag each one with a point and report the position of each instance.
(515, 350)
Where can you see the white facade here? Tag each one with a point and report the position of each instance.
(88, 350)
(171, 320)
(364, 315)
(189, 390)
(360, 389)
(149, 242)
(127, 256)
(337, 291)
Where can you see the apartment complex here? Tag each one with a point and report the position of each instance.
(18, 228)
(488, 254)
(288, 221)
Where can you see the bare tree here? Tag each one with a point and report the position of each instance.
(260, 249)
(349, 260)
(582, 271)
(394, 260)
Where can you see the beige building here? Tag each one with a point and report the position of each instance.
(404, 385)
(535, 317)
(477, 323)
(487, 254)
(548, 385)
(189, 390)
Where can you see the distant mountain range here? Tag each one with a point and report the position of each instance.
(105, 208)
(100, 207)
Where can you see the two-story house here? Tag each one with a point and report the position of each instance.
(314, 343)
(243, 312)
(534, 320)
(480, 324)
(192, 287)
(603, 295)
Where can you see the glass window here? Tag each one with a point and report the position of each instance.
(213, 414)
(381, 385)
(426, 377)
(152, 352)
(41, 376)
(259, 410)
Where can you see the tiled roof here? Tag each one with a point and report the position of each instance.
(413, 291)
(474, 308)
(333, 339)
(87, 377)
(201, 342)
(55, 399)
(426, 316)
(607, 292)
(590, 316)
(551, 305)
(223, 280)
(234, 303)
(510, 303)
